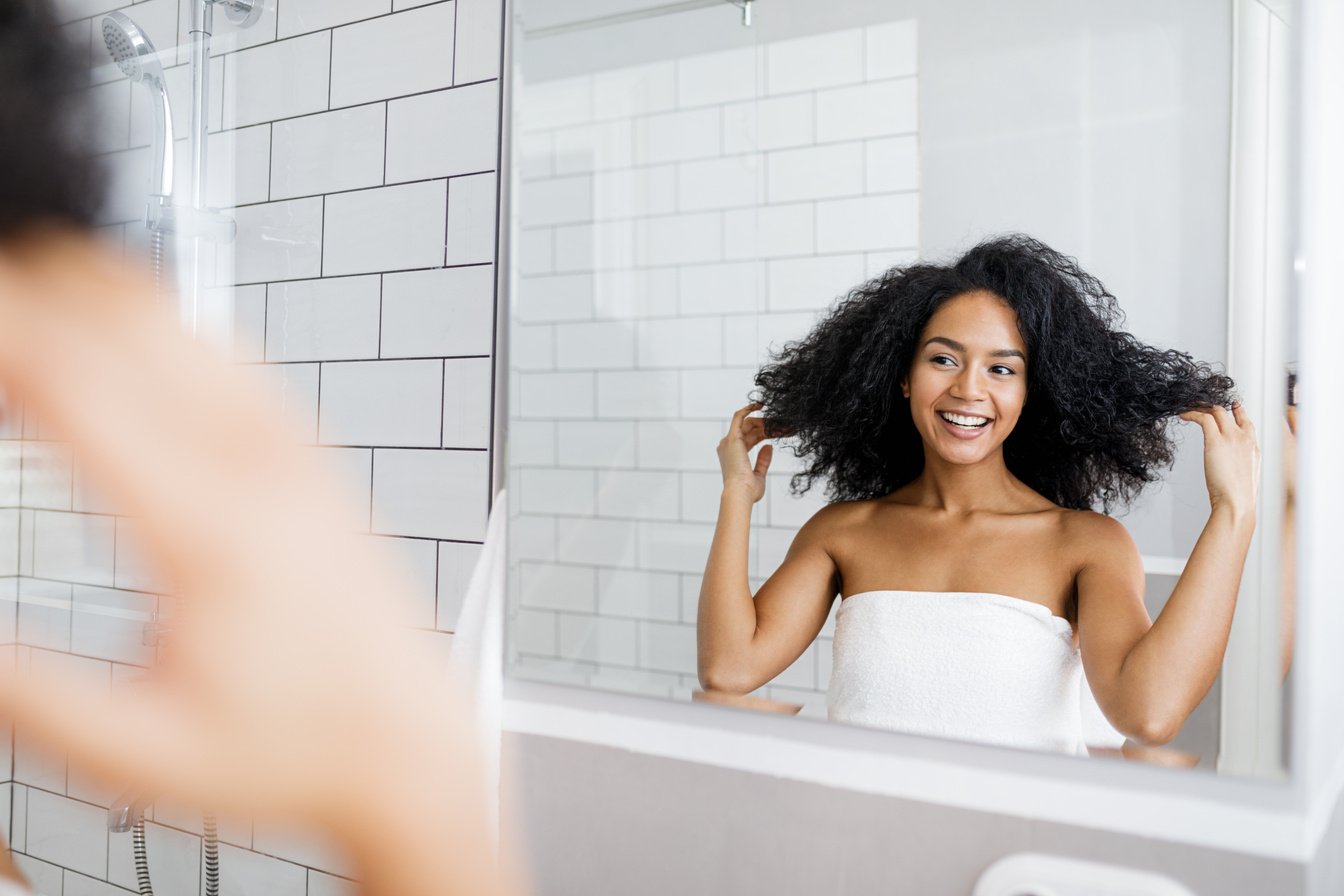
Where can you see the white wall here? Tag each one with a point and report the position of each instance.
(356, 144)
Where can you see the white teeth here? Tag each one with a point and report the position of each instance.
(961, 420)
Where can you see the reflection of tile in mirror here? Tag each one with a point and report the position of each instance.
(681, 219)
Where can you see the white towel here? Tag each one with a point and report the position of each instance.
(477, 656)
(963, 665)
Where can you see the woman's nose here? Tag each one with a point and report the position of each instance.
(969, 384)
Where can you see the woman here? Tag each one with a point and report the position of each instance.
(967, 417)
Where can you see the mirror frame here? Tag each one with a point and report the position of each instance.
(1284, 818)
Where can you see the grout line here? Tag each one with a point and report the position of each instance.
(447, 218)
(371, 361)
(331, 63)
(382, 285)
(322, 258)
(387, 127)
(438, 563)
(452, 75)
(317, 435)
(223, 94)
(270, 165)
(265, 321)
(373, 273)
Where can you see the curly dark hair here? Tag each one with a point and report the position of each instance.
(47, 174)
(1095, 424)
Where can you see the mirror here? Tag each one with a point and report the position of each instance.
(698, 187)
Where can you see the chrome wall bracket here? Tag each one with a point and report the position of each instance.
(242, 13)
(745, 6)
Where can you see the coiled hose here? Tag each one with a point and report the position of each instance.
(141, 859)
(159, 259)
(211, 856)
(210, 840)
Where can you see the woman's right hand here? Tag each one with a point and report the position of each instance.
(745, 433)
(291, 690)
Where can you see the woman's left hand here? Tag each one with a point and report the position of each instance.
(1231, 457)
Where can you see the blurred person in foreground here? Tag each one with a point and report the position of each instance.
(291, 692)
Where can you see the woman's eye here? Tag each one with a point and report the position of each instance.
(1001, 369)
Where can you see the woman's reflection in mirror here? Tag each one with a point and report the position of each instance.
(975, 423)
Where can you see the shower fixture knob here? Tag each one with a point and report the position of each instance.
(242, 13)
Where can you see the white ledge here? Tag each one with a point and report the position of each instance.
(1272, 819)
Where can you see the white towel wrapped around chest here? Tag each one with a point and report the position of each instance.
(965, 665)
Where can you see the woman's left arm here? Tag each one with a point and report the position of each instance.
(1155, 681)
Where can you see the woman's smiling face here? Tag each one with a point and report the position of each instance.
(970, 363)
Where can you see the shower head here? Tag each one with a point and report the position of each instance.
(131, 48)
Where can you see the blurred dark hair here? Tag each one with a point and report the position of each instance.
(47, 174)
(1094, 428)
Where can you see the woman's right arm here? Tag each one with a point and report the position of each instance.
(744, 642)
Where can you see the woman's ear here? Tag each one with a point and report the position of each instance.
(905, 387)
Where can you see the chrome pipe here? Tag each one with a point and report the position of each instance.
(202, 27)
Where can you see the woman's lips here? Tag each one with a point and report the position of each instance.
(962, 432)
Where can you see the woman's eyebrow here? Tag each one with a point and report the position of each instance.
(957, 346)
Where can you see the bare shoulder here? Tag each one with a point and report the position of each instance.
(1095, 537)
(1090, 524)
(835, 516)
(840, 513)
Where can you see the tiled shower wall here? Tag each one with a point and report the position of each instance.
(678, 219)
(356, 144)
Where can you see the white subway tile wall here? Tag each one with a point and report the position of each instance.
(680, 221)
(355, 143)
(303, 165)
